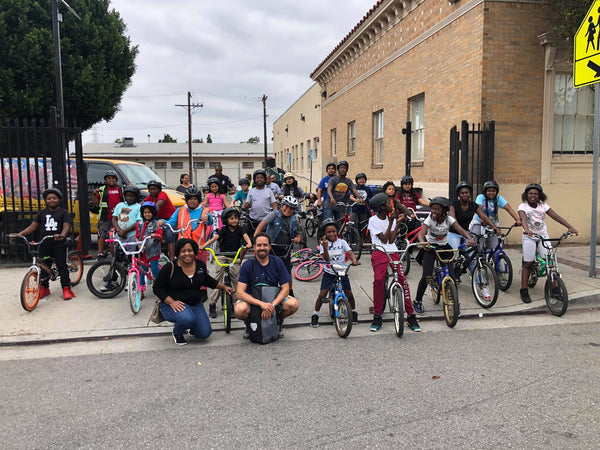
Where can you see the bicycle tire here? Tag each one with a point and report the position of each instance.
(397, 307)
(308, 270)
(133, 292)
(485, 277)
(533, 275)
(451, 307)
(75, 267)
(406, 263)
(30, 290)
(343, 319)
(227, 310)
(299, 255)
(97, 281)
(352, 236)
(504, 269)
(557, 297)
(310, 227)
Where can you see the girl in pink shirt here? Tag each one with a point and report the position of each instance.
(214, 200)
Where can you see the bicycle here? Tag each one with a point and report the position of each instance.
(339, 305)
(309, 270)
(31, 284)
(484, 279)
(314, 218)
(404, 240)
(443, 285)
(498, 258)
(348, 231)
(227, 299)
(301, 255)
(555, 291)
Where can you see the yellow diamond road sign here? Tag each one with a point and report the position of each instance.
(586, 56)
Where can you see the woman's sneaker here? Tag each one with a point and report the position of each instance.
(377, 323)
(314, 321)
(179, 340)
(418, 307)
(212, 311)
(412, 323)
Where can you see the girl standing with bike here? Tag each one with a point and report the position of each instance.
(214, 200)
(533, 213)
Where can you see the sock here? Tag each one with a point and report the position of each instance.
(316, 312)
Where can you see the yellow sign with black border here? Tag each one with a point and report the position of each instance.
(586, 54)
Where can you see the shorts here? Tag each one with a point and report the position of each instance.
(104, 227)
(529, 247)
(168, 235)
(328, 281)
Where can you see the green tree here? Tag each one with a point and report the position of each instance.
(198, 141)
(167, 139)
(97, 60)
(564, 18)
(208, 139)
(253, 140)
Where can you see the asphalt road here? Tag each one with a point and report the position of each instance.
(503, 382)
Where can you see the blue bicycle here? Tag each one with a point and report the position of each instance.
(339, 305)
(500, 260)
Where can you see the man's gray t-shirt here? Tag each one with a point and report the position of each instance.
(341, 187)
(260, 201)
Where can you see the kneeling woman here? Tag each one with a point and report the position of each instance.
(178, 288)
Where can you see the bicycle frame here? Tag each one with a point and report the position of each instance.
(494, 253)
(39, 267)
(340, 271)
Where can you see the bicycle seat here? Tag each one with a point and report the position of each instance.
(340, 269)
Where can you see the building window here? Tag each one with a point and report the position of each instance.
(199, 164)
(248, 165)
(301, 166)
(351, 137)
(378, 137)
(160, 165)
(315, 148)
(417, 118)
(333, 142)
(573, 117)
(213, 164)
(176, 164)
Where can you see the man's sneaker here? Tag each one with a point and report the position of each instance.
(354, 317)
(246, 332)
(377, 323)
(68, 293)
(314, 321)
(412, 323)
(179, 340)
(281, 333)
(44, 292)
(418, 307)
(486, 294)
(525, 296)
(213, 310)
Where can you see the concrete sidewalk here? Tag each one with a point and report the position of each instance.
(88, 317)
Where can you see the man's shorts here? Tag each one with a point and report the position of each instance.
(104, 227)
(168, 236)
(328, 281)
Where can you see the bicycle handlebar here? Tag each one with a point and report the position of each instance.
(180, 230)
(33, 243)
(225, 254)
(123, 245)
(558, 240)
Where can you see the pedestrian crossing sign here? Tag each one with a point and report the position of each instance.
(586, 54)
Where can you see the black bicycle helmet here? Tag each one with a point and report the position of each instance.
(156, 183)
(148, 205)
(406, 179)
(259, 172)
(330, 165)
(213, 180)
(463, 184)
(326, 223)
(377, 201)
(52, 191)
(244, 181)
(133, 189)
(534, 186)
(110, 173)
(360, 175)
(442, 201)
(491, 184)
(192, 191)
(228, 212)
(343, 162)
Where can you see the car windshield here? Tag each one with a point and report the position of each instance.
(140, 175)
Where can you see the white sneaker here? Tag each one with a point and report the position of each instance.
(486, 293)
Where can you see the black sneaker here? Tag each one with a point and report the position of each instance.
(246, 334)
(525, 295)
(412, 323)
(314, 321)
(179, 340)
(418, 306)
(212, 311)
(354, 317)
(377, 323)
(281, 333)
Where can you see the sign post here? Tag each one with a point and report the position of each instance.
(586, 71)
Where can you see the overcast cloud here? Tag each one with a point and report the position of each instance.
(228, 54)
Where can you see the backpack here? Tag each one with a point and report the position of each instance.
(262, 331)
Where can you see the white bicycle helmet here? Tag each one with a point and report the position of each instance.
(290, 201)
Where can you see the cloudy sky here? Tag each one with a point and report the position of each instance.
(228, 54)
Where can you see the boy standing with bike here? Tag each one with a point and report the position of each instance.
(55, 221)
(105, 198)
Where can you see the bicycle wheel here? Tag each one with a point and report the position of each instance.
(533, 275)
(450, 303)
(397, 308)
(556, 295)
(133, 292)
(104, 281)
(406, 263)
(227, 306)
(310, 227)
(484, 283)
(343, 319)
(30, 290)
(308, 270)
(75, 266)
(300, 255)
(504, 270)
(352, 236)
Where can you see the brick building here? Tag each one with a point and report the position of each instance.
(438, 62)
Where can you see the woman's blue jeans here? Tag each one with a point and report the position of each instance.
(193, 318)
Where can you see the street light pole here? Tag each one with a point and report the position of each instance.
(56, 17)
(264, 100)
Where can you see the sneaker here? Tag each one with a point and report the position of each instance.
(44, 292)
(108, 287)
(314, 321)
(68, 293)
(377, 323)
(101, 256)
(213, 311)
(525, 295)
(486, 294)
(246, 333)
(412, 323)
(354, 317)
(418, 307)
(281, 334)
(179, 340)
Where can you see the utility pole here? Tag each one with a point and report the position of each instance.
(264, 100)
(189, 107)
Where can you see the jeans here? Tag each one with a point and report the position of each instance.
(193, 318)
(153, 268)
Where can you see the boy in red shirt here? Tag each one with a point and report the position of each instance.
(165, 209)
(106, 198)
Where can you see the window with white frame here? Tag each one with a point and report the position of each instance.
(417, 119)
(176, 164)
(315, 148)
(199, 164)
(573, 117)
(214, 164)
(351, 137)
(301, 166)
(334, 142)
(160, 165)
(247, 164)
(378, 137)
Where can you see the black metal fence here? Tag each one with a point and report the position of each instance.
(34, 155)
(471, 155)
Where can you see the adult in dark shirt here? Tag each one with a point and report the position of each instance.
(339, 189)
(178, 288)
(226, 183)
(463, 211)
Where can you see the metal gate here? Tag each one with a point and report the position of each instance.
(471, 155)
(34, 155)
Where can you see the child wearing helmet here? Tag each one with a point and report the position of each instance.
(215, 200)
(290, 187)
(231, 237)
(407, 194)
(104, 200)
(149, 226)
(360, 213)
(165, 210)
(242, 194)
(532, 213)
(126, 214)
(55, 221)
